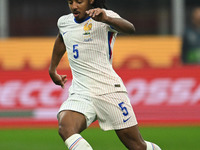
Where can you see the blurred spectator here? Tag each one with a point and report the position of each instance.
(191, 40)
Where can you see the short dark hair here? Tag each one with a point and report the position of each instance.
(99, 4)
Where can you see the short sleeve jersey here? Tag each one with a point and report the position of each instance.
(89, 46)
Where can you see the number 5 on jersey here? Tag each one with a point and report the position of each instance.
(75, 51)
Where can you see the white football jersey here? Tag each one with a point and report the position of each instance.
(89, 47)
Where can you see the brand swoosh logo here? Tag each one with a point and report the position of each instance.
(64, 33)
(125, 120)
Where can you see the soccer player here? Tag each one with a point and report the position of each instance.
(97, 92)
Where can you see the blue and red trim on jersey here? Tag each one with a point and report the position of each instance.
(110, 37)
(82, 20)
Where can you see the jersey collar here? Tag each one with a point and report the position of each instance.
(83, 20)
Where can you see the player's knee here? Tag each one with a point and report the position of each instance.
(61, 131)
(65, 131)
(70, 123)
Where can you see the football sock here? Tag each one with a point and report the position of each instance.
(152, 146)
(77, 142)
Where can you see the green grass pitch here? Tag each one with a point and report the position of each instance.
(169, 138)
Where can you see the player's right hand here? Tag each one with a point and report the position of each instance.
(97, 14)
(59, 79)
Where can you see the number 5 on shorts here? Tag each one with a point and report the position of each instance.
(123, 108)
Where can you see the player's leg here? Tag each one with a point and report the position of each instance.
(116, 113)
(133, 140)
(75, 115)
(71, 124)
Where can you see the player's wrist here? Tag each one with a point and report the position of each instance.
(52, 72)
(106, 19)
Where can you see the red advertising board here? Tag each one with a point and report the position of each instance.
(157, 95)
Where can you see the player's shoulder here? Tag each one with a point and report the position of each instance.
(64, 20)
(111, 13)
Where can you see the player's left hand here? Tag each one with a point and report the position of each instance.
(97, 14)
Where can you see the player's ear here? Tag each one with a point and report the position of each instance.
(92, 1)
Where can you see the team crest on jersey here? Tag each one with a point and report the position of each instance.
(87, 29)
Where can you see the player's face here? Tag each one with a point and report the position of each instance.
(79, 8)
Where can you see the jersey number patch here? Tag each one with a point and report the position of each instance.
(75, 51)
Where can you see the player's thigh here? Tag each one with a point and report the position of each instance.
(72, 119)
(75, 115)
(80, 104)
(71, 122)
(131, 137)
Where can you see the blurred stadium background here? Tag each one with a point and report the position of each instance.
(164, 92)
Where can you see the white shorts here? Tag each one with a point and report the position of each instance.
(113, 111)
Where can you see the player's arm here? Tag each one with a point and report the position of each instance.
(58, 52)
(119, 24)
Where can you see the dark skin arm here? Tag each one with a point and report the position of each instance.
(119, 24)
(58, 52)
